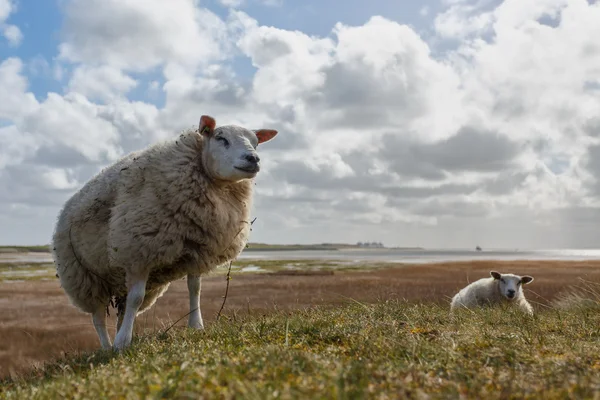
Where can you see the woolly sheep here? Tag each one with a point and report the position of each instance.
(175, 209)
(497, 289)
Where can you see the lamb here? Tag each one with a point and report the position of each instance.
(498, 289)
(177, 208)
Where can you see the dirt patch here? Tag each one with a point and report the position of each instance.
(38, 323)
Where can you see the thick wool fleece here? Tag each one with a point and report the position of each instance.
(486, 291)
(153, 212)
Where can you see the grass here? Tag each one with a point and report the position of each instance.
(17, 271)
(302, 265)
(26, 272)
(25, 249)
(251, 247)
(387, 350)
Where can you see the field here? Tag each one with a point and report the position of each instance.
(322, 329)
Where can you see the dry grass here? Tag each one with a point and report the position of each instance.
(392, 349)
(38, 323)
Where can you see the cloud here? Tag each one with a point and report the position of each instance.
(138, 35)
(464, 19)
(231, 3)
(468, 150)
(74, 122)
(11, 33)
(104, 83)
(16, 101)
(15, 146)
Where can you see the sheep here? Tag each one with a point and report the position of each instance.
(179, 208)
(497, 289)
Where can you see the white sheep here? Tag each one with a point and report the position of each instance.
(178, 208)
(498, 289)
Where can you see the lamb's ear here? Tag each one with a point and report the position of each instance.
(495, 275)
(526, 279)
(264, 135)
(207, 125)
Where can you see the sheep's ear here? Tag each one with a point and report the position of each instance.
(207, 125)
(495, 275)
(526, 279)
(264, 135)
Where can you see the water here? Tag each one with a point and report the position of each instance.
(378, 255)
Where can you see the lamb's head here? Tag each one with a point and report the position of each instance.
(510, 285)
(230, 150)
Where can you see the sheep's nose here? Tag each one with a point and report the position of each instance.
(253, 158)
(511, 293)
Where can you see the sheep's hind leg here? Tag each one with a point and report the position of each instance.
(194, 283)
(120, 304)
(99, 319)
(135, 298)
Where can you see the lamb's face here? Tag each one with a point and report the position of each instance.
(230, 151)
(510, 285)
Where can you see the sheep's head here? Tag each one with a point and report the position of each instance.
(510, 285)
(230, 150)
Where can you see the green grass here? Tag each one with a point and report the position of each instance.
(251, 247)
(11, 271)
(274, 266)
(26, 272)
(25, 249)
(387, 350)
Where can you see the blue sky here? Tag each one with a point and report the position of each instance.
(41, 23)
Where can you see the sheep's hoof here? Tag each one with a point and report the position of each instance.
(195, 324)
(122, 342)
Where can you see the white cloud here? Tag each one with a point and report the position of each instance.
(58, 178)
(16, 146)
(16, 101)
(6, 8)
(142, 35)
(74, 122)
(463, 19)
(105, 82)
(11, 32)
(231, 3)
(289, 63)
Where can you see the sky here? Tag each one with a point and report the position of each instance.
(440, 124)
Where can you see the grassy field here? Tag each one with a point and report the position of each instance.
(313, 329)
(33, 271)
(25, 249)
(392, 349)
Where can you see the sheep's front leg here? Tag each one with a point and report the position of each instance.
(99, 319)
(525, 306)
(194, 283)
(135, 297)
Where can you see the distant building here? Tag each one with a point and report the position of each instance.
(371, 245)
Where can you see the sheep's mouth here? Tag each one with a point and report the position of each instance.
(251, 169)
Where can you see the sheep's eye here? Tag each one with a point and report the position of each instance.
(502, 280)
(225, 141)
